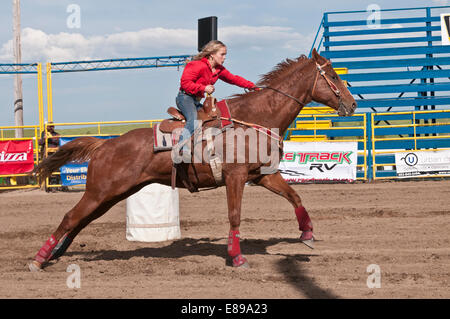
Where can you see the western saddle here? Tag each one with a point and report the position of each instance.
(210, 116)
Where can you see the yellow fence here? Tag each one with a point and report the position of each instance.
(32, 132)
(401, 132)
(379, 136)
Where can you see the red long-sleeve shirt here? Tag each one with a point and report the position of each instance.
(198, 74)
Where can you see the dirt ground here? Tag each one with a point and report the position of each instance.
(403, 227)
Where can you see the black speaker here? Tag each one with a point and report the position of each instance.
(207, 31)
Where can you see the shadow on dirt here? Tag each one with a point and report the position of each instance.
(290, 266)
(297, 276)
(192, 247)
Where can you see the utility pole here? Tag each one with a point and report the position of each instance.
(18, 97)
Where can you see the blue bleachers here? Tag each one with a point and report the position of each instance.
(403, 53)
(396, 68)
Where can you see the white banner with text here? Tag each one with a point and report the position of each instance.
(324, 161)
(423, 163)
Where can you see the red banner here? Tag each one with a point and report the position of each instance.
(16, 157)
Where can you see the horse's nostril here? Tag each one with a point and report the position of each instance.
(354, 105)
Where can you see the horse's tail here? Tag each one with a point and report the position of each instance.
(79, 150)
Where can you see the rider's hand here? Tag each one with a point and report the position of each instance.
(209, 89)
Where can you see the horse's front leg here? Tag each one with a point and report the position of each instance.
(276, 184)
(235, 181)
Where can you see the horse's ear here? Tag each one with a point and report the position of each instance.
(315, 55)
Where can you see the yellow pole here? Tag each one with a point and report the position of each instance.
(40, 97)
(365, 146)
(374, 169)
(415, 136)
(49, 92)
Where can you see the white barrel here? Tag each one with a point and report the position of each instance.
(153, 214)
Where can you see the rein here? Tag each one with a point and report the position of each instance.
(256, 127)
(281, 92)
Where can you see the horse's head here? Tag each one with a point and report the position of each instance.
(329, 89)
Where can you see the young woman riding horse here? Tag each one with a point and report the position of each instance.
(289, 87)
(199, 77)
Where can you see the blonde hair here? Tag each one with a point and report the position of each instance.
(210, 48)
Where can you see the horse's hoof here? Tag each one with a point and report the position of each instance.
(307, 238)
(35, 266)
(240, 262)
(309, 243)
(244, 266)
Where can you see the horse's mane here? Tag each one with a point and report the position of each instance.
(279, 70)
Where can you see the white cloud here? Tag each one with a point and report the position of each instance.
(265, 37)
(38, 46)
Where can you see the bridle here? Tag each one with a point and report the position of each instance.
(330, 84)
(321, 72)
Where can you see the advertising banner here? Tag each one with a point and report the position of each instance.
(423, 163)
(74, 173)
(319, 161)
(16, 157)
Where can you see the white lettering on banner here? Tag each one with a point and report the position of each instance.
(76, 170)
(76, 177)
(13, 157)
(423, 163)
(326, 161)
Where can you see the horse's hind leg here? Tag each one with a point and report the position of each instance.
(278, 185)
(65, 242)
(77, 217)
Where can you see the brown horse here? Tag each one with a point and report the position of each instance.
(122, 166)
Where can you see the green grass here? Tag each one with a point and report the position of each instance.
(107, 129)
(113, 129)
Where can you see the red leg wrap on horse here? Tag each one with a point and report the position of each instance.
(44, 253)
(304, 222)
(234, 248)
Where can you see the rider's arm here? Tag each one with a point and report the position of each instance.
(230, 78)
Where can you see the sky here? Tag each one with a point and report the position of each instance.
(258, 34)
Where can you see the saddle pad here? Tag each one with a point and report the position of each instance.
(225, 112)
(163, 141)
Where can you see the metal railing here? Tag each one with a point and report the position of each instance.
(407, 132)
(414, 131)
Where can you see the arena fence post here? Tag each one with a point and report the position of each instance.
(40, 98)
(370, 145)
(49, 93)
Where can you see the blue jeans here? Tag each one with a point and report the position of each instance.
(189, 106)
